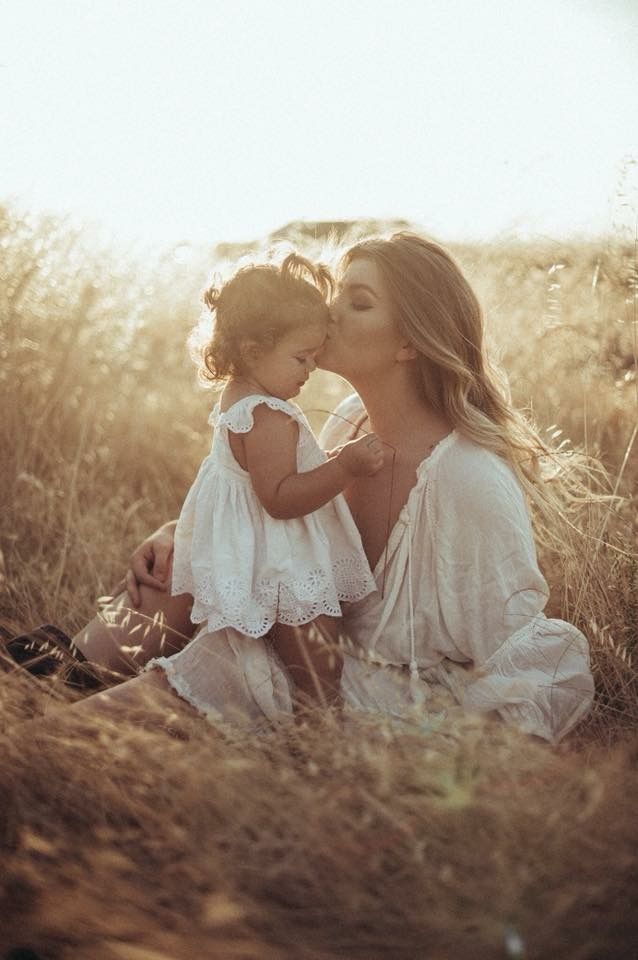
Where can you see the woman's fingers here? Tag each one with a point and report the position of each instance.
(132, 588)
(161, 565)
(133, 580)
(150, 564)
(144, 570)
(142, 574)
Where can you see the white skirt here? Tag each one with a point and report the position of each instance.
(229, 677)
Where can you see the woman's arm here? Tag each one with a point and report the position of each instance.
(533, 671)
(270, 450)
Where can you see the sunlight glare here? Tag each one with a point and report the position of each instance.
(209, 121)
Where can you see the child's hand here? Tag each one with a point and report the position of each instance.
(362, 457)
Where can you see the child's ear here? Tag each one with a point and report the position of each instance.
(406, 351)
(250, 351)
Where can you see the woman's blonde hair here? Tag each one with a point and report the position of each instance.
(260, 304)
(439, 314)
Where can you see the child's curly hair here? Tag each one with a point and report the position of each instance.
(261, 303)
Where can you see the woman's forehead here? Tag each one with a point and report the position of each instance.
(365, 272)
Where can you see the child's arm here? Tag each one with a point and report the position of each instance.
(270, 450)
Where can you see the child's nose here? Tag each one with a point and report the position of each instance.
(310, 363)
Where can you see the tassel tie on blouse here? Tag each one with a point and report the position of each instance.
(415, 683)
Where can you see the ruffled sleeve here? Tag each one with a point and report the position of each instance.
(533, 671)
(239, 418)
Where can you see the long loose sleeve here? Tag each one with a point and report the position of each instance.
(533, 671)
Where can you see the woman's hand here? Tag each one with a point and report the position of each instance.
(150, 563)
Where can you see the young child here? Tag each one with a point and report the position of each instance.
(264, 537)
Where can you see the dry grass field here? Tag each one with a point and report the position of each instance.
(169, 840)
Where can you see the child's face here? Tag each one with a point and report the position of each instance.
(283, 370)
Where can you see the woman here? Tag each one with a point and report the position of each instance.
(458, 614)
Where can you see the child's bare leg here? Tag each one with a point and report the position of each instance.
(313, 658)
(122, 638)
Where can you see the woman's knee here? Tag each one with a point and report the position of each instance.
(124, 638)
(147, 698)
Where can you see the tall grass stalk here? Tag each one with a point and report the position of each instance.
(166, 839)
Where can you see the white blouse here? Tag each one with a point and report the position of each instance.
(460, 599)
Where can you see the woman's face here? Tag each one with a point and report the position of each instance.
(363, 338)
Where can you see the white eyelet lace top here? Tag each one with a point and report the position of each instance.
(245, 569)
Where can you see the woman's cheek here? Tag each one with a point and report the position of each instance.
(351, 328)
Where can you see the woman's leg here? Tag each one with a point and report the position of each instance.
(136, 701)
(123, 638)
(311, 654)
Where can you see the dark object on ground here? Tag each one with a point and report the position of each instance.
(45, 650)
(22, 953)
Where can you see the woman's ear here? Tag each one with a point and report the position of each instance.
(406, 351)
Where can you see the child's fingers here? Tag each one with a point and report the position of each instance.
(373, 462)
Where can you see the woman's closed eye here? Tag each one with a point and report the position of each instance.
(354, 304)
(352, 298)
(360, 305)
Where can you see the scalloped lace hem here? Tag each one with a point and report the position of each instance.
(254, 609)
(261, 628)
(183, 689)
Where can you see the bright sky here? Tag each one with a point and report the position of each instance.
(208, 120)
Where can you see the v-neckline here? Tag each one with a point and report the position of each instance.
(421, 472)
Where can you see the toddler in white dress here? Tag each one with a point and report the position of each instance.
(264, 538)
